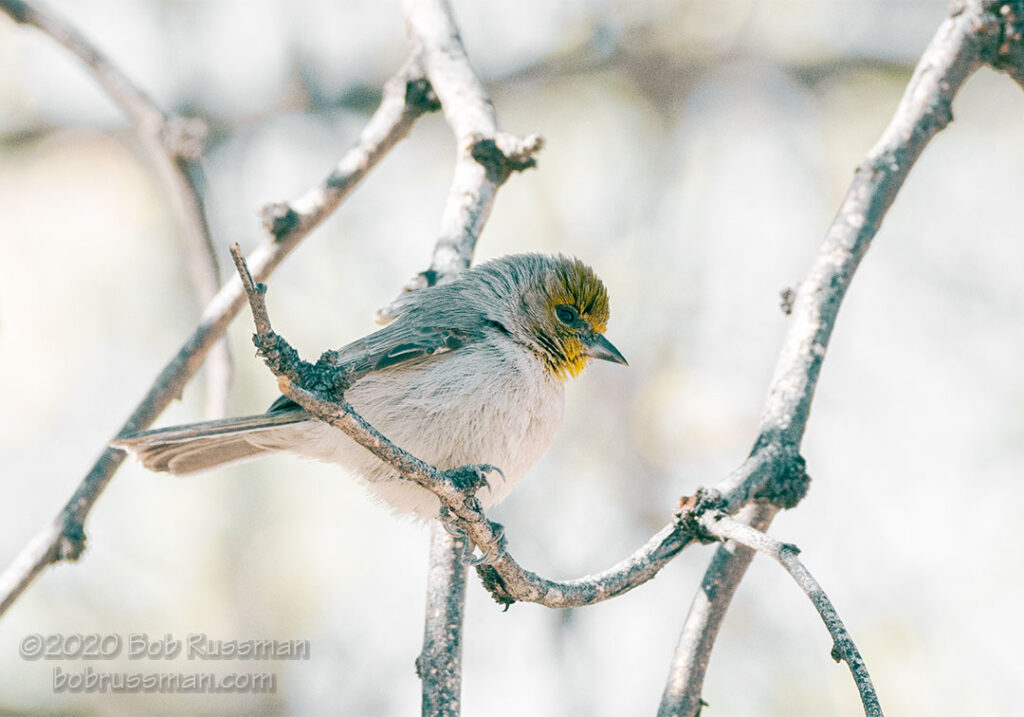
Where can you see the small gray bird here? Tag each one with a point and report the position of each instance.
(469, 372)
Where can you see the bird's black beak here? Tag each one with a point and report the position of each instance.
(601, 348)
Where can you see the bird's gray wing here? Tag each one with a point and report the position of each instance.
(398, 343)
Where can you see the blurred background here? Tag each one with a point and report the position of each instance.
(696, 152)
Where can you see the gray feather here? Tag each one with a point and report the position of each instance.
(200, 446)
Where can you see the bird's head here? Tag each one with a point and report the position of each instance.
(565, 312)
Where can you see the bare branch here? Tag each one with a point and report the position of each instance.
(924, 110)
(174, 145)
(440, 664)
(682, 694)
(771, 473)
(726, 528)
(969, 37)
(485, 158)
(406, 97)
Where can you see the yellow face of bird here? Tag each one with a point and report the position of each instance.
(570, 313)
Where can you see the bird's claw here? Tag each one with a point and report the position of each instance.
(488, 556)
(459, 534)
(479, 560)
(499, 533)
(452, 530)
(469, 479)
(448, 519)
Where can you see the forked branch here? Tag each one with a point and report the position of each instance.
(977, 32)
(726, 528)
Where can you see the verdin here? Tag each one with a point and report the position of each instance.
(469, 372)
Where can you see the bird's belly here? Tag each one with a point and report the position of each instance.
(448, 413)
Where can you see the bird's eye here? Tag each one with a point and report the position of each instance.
(567, 314)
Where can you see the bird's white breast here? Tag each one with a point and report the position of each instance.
(488, 402)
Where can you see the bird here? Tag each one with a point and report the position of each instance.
(469, 372)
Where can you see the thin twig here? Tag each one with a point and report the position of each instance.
(406, 97)
(174, 145)
(961, 44)
(727, 528)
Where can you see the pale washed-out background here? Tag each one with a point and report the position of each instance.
(696, 153)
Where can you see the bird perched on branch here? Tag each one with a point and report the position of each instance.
(469, 372)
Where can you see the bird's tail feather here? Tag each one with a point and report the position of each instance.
(199, 446)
